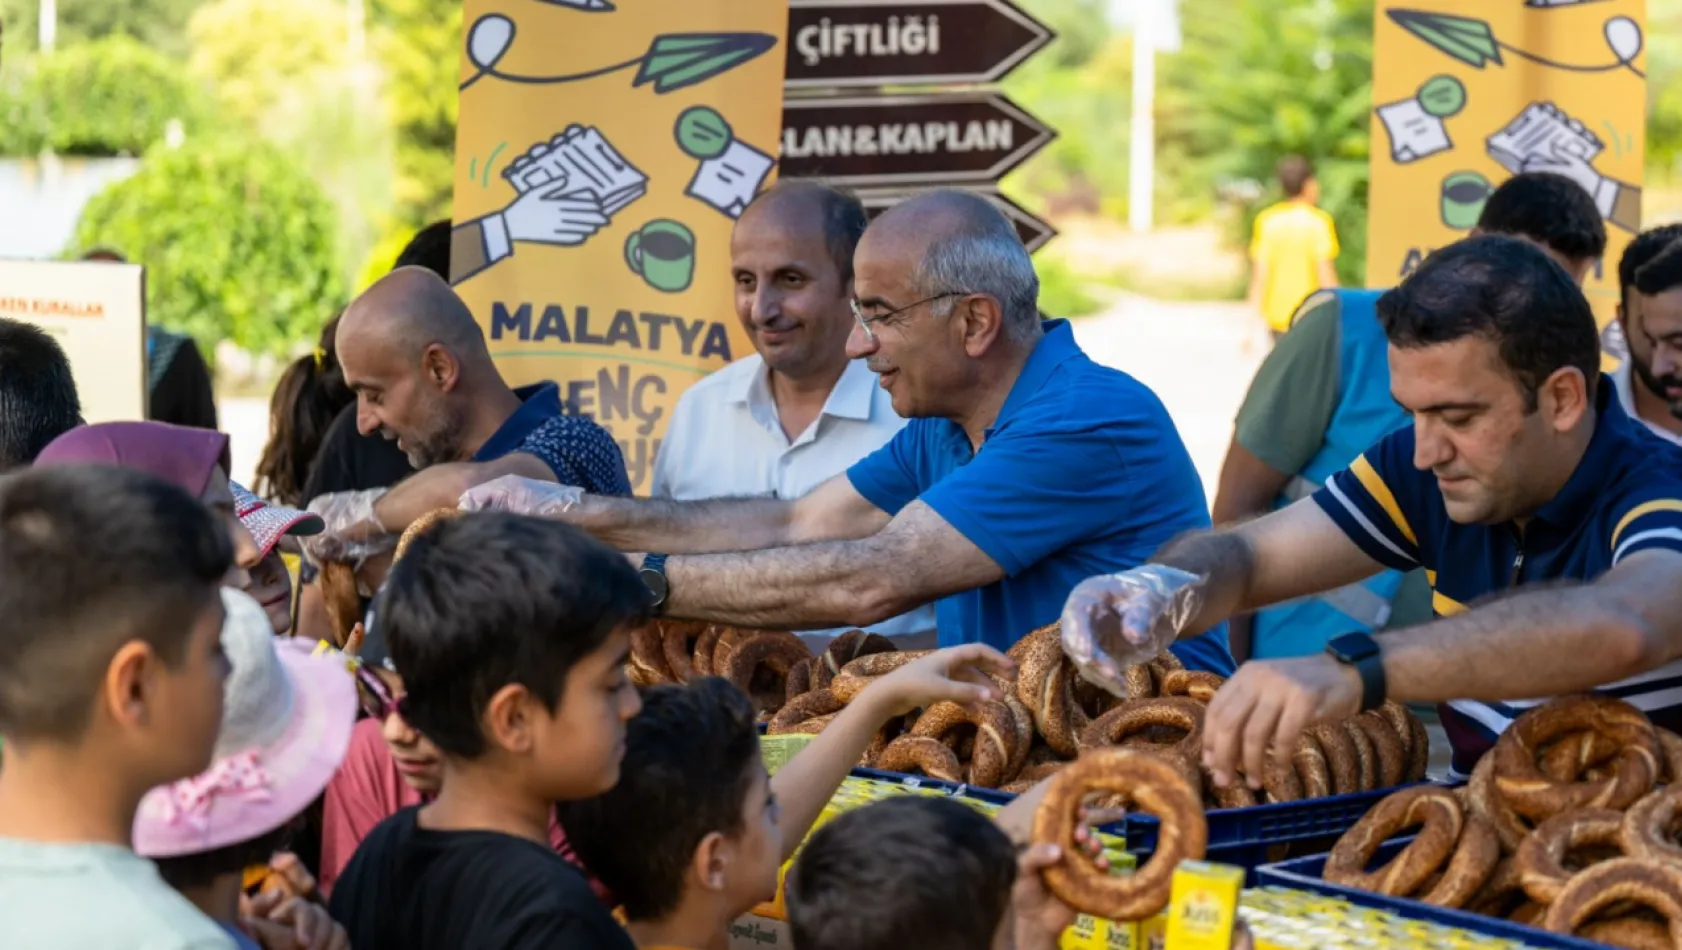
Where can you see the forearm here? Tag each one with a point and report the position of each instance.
(809, 780)
(1225, 562)
(809, 587)
(1569, 638)
(685, 527)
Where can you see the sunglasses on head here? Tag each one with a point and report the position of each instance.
(372, 693)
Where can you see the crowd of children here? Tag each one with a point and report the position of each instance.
(150, 711)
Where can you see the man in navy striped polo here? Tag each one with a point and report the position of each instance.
(1547, 521)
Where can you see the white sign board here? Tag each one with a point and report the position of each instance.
(97, 312)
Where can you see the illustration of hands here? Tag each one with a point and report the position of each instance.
(1542, 138)
(566, 189)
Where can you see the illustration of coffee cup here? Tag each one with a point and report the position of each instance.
(662, 252)
(1463, 196)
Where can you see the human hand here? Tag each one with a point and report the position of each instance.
(1266, 705)
(1039, 917)
(956, 674)
(522, 496)
(353, 531)
(548, 216)
(1115, 621)
(279, 922)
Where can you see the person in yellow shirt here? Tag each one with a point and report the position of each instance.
(1293, 250)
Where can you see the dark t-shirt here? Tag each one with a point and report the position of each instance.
(178, 381)
(408, 888)
(351, 461)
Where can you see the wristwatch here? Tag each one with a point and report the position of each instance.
(653, 575)
(1362, 652)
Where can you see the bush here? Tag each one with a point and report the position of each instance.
(238, 244)
(109, 97)
(1064, 293)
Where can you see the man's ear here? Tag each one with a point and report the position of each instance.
(440, 367)
(983, 322)
(1563, 396)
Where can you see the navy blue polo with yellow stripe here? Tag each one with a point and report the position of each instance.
(1625, 496)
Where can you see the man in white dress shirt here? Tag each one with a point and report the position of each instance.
(798, 412)
(1649, 381)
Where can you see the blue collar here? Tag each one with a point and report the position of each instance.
(1612, 433)
(1055, 348)
(538, 404)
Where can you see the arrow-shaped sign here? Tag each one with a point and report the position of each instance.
(889, 141)
(1034, 233)
(907, 42)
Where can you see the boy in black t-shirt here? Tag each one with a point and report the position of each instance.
(692, 836)
(511, 635)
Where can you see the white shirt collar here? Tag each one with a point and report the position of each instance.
(1623, 380)
(851, 398)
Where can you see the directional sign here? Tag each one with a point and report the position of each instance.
(907, 42)
(888, 141)
(1034, 233)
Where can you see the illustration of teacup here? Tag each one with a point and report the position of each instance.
(1463, 196)
(662, 252)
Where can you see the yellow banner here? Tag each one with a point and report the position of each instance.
(603, 153)
(1469, 92)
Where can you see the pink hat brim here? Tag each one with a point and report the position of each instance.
(299, 765)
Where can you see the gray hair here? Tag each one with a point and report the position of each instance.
(984, 257)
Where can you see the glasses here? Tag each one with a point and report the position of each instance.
(375, 696)
(866, 322)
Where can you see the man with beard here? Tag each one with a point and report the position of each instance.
(783, 421)
(1650, 313)
(423, 376)
(1024, 464)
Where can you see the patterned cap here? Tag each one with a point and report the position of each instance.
(269, 523)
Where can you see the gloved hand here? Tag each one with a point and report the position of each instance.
(1115, 621)
(354, 532)
(522, 496)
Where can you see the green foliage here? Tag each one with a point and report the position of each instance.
(1085, 167)
(1664, 86)
(1064, 293)
(108, 97)
(237, 242)
(160, 24)
(1257, 80)
(419, 45)
(266, 56)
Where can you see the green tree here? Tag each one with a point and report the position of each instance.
(267, 56)
(237, 243)
(1257, 80)
(160, 24)
(419, 46)
(108, 97)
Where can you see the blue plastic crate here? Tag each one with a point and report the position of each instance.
(1303, 874)
(1259, 826)
(923, 781)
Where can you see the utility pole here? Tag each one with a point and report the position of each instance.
(48, 24)
(1141, 169)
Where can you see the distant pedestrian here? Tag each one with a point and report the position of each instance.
(1293, 249)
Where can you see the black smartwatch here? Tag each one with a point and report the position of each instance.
(653, 574)
(1362, 652)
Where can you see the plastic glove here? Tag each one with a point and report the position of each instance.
(1115, 621)
(522, 496)
(354, 532)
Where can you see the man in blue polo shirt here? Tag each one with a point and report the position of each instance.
(423, 376)
(1521, 487)
(1025, 467)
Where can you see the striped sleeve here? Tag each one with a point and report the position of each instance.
(1651, 521)
(1374, 502)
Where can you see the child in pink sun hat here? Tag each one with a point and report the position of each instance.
(286, 723)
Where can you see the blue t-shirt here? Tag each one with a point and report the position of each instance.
(575, 448)
(1624, 496)
(1082, 473)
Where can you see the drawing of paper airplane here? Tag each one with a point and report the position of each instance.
(677, 60)
(588, 6)
(1468, 40)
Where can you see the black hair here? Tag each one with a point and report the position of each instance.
(840, 213)
(429, 248)
(1549, 209)
(38, 401)
(1662, 273)
(922, 872)
(1504, 290)
(94, 557)
(309, 396)
(202, 870)
(1294, 173)
(1639, 251)
(690, 759)
(490, 600)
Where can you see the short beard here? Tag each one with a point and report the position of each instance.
(1656, 384)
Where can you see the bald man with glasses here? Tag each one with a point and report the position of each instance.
(1025, 466)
